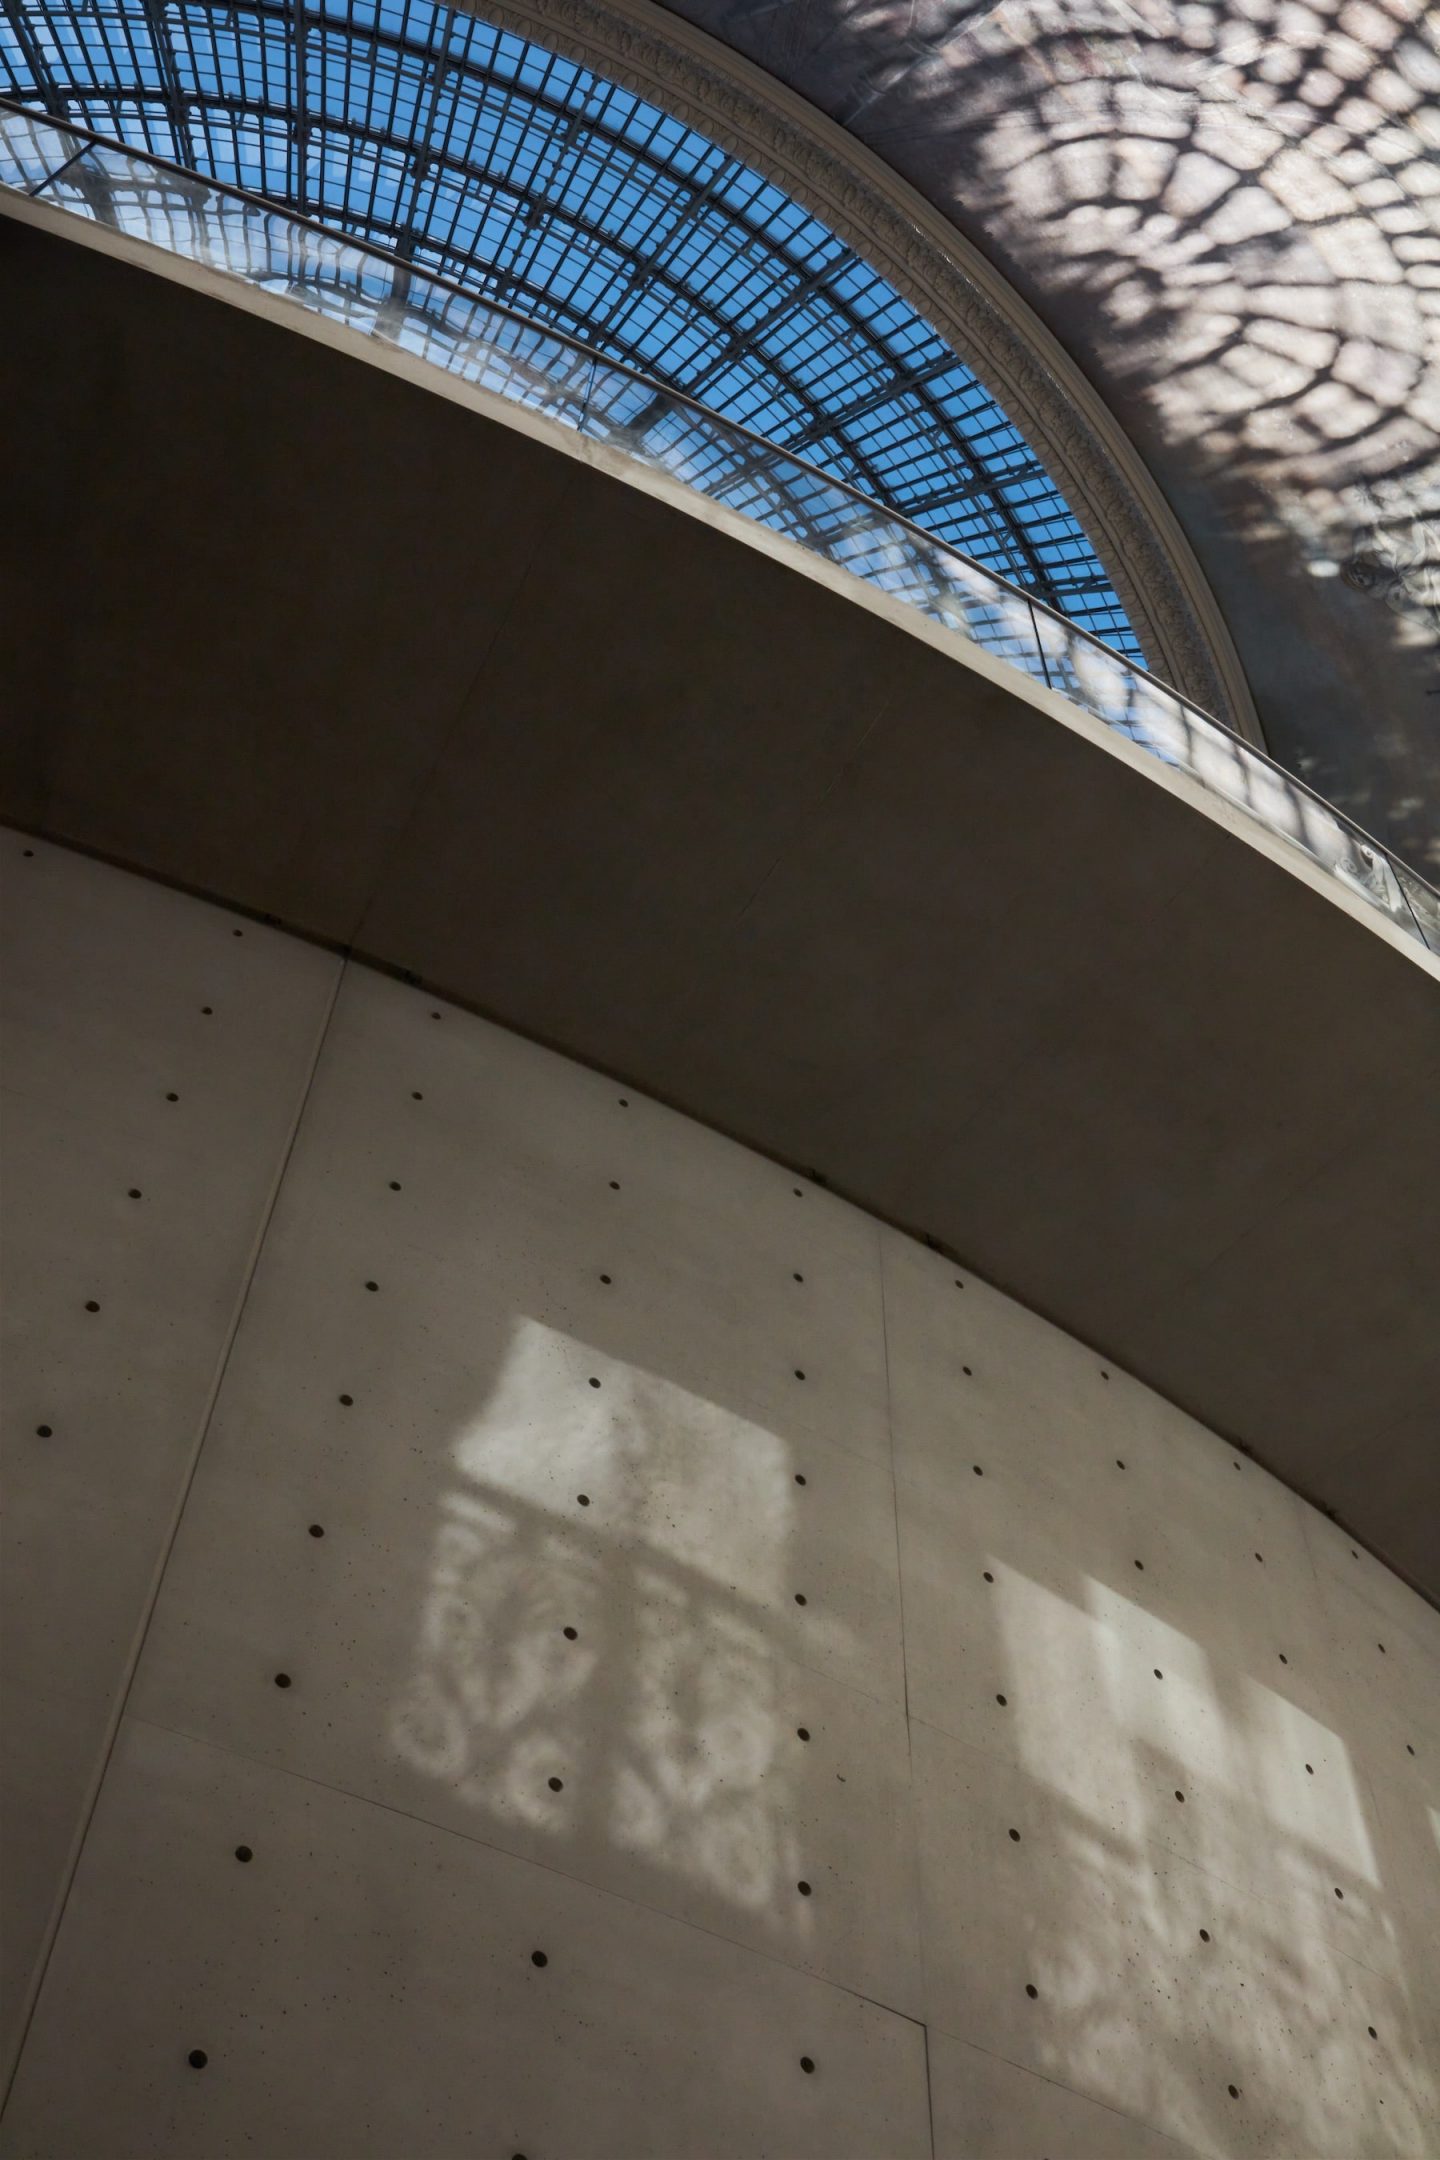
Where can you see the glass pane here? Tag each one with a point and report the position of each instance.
(985, 611)
(1424, 905)
(31, 149)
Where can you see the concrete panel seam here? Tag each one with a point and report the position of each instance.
(127, 1676)
(448, 1830)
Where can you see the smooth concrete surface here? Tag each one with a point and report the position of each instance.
(413, 681)
(1079, 1700)
(153, 1059)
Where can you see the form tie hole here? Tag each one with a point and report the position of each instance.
(394, 1184)
(807, 2064)
(208, 1011)
(1158, 1674)
(605, 1278)
(416, 1096)
(282, 1679)
(1234, 2091)
(967, 1372)
(538, 1957)
(1119, 1462)
(44, 1431)
(571, 1634)
(1002, 1700)
(1310, 1769)
(243, 1852)
(1103, 1374)
(1261, 1558)
(1408, 1749)
(1015, 1836)
(1339, 1893)
(959, 1285)
(317, 1529)
(1031, 1990)
(197, 2058)
(1372, 2032)
(624, 1102)
(1204, 1934)
(172, 1096)
(1141, 1565)
(803, 1888)
(977, 1469)
(1282, 1657)
(134, 1192)
(372, 1285)
(614, 1184)
(799, 1195)
(802, 1732)
(799, 1278)
(798, 1374)
(800, 1598)
(349, 1401)
(594, 1382)
(1381, 1648)
(91, 1305)
(1180, 1796)
(988, 1576)
(799, 1477)
(556, 1784)
(583, 1498)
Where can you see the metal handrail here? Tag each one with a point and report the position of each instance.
(394, 261)
(337, 236)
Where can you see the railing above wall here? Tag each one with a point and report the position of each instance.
(504, 353)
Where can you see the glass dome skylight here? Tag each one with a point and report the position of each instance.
(531, 181)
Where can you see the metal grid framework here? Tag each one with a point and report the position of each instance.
(532, 182)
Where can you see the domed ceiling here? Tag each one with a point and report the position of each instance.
(1228, 211)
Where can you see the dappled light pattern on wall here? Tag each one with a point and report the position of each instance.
(654, 1664)
(563, 1681)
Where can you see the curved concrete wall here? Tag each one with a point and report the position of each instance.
(749, 1690)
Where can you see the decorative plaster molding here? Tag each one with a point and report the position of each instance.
(660, 57)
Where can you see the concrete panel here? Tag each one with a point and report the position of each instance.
(1342, 1564)
(493, 1380)
(988, 2109)
(1126, 1713)
(1238, 1665)
(366, 1985)
(156, 1051)
(511, 1162)
(1390, 1665)
(1132, 2004)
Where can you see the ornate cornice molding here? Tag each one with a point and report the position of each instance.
(660, 57)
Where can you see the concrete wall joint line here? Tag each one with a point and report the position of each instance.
(122, 1693)
(447, 1830)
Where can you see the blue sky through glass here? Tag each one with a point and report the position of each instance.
(531, 181)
